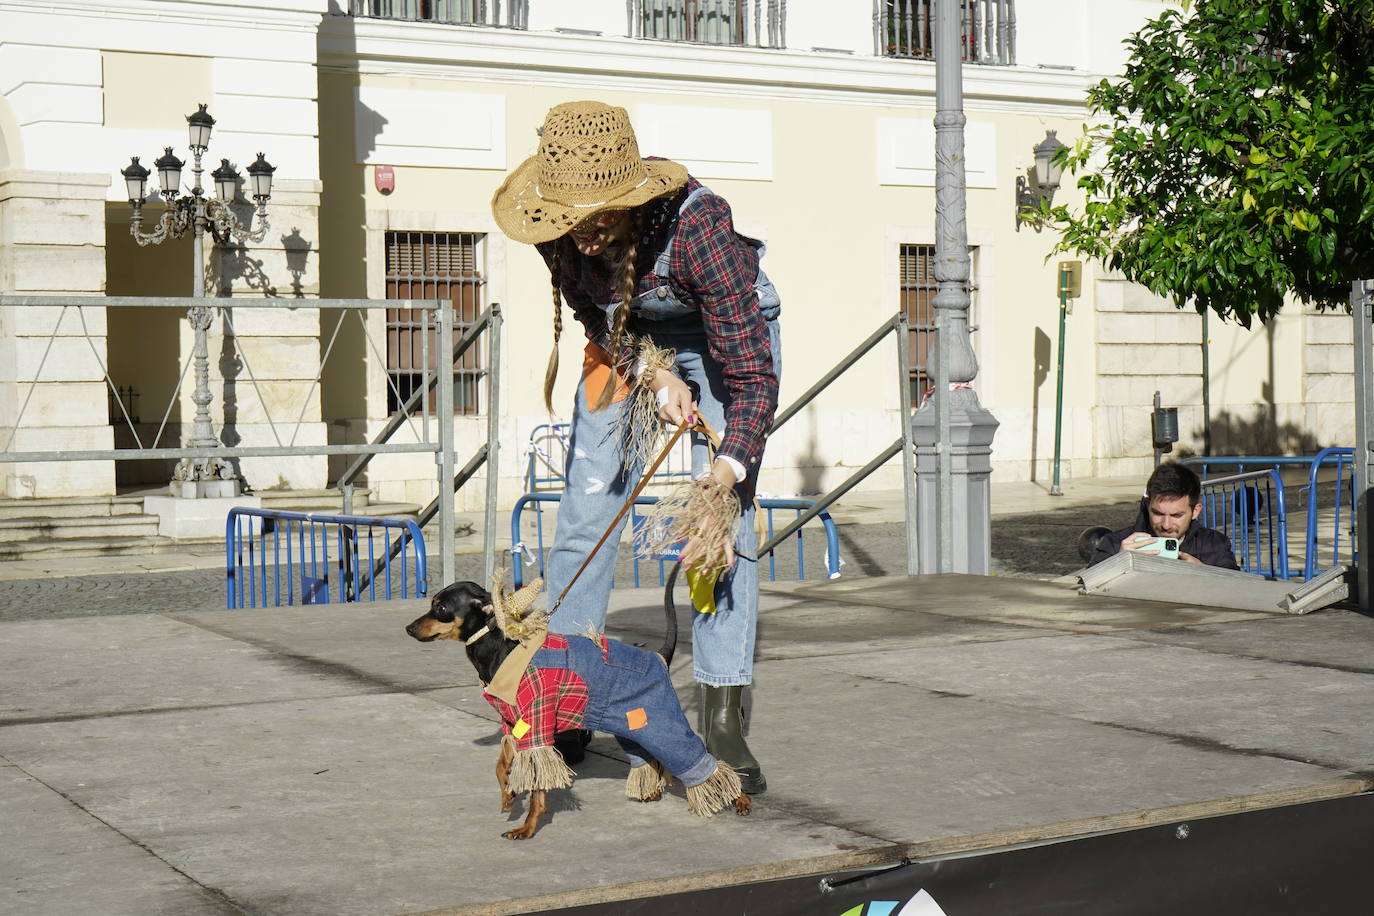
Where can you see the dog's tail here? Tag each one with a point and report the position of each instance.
(670, 616)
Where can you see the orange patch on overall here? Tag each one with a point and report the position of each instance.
(636, 719)
(596, 372)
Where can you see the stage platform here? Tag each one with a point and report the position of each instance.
(316, 760)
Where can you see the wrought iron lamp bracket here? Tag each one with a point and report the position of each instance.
(174, 222)
(224, 225)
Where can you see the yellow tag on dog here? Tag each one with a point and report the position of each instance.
(520, 729)
(702, 587)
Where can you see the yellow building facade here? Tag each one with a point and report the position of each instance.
(392, 122)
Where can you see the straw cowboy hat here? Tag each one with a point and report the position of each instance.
(588, 161)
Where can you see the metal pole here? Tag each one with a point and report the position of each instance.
(913, 559)
(1206, 385)
(1362, 312)
(954, 356)
(1059, 373)
(493, 439)
(445, 456)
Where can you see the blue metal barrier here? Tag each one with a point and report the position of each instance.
(273, 558)
(1341, 489)
(1240, 464)
(535, 554)
(1251, 510)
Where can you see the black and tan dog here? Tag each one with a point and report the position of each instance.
(565, 683)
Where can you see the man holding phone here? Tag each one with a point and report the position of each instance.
(1167, 525)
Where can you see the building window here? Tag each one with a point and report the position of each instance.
(432, 265)
(712, 22)
(513, 14)
(906, 28)
(917, 285)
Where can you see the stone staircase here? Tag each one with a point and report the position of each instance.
(118, 526)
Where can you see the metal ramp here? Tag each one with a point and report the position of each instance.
(1134, 575)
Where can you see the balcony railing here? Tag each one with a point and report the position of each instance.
(906, 28)
(753, 23)
(503, 14)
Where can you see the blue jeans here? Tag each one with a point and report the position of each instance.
(598, 483)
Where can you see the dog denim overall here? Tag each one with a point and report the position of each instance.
(606, 685)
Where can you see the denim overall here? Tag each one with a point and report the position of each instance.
(630, 696)
(598, 483)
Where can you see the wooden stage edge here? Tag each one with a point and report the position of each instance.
(930, 849)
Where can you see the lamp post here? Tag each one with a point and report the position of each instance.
(1070, 287)
(196, 213)
(952, 431)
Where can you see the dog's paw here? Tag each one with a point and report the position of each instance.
(743, 806)
(519, 833)
(651, 797)
(507, 801)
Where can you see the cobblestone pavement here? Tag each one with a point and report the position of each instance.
(1039, 545)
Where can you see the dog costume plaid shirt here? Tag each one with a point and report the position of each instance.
(608, 686)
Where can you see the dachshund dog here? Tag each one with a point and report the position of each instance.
(580, 682)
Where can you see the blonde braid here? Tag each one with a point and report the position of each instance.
(628, 279)
(551, 373)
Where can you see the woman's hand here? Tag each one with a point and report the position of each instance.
(674, 397)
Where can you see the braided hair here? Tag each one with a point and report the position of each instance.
(628, 280)
(551, 372)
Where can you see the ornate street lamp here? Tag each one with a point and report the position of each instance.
(198, 214)
(1048, 174)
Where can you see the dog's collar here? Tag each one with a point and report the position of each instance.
(478, 635)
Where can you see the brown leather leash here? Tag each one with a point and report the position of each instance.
(698, 423)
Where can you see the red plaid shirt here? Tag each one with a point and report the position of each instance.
(711, 267)
(548, 700)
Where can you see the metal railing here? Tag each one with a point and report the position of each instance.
(510, 14)
(754, 23)
(1339, 491)
(1251, 510)
(904, 445)
(274, 558)
(906, 29)
(487, 453)
(534, 555)
(1327, 495)
(283, 431)
(1239, 464)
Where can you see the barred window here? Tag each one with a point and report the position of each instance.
(513, 14)
(713, 22)
(906, 28)
(432, 265)
(918, 289)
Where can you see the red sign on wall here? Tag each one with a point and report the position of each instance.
(384, 177)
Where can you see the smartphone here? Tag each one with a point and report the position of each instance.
(1162, 547)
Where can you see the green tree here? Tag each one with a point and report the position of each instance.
(1233, 162)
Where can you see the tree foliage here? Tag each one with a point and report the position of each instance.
(1233, 162)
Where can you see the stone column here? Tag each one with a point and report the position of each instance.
(52, 242)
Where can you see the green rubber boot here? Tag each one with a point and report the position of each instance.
(722, 723)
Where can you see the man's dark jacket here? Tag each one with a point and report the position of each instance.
(1210, 547)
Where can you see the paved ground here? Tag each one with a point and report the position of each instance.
(167, 756)
(313, 760)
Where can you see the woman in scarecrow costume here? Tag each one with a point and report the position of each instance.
(668, 294)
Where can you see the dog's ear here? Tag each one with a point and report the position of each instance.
(478, 597)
